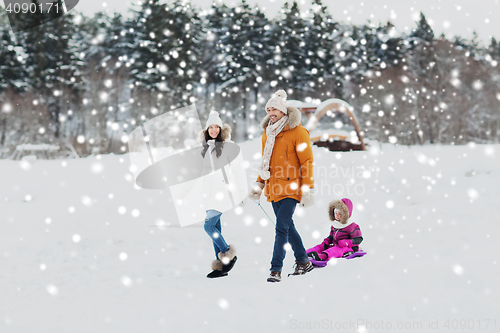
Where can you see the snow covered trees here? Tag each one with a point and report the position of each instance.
(322, 55)
(288, 67)
(41, 74)
(243, 48)
(166, 54)
(12, 77)
(88, 81)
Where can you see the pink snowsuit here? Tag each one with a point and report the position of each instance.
(349, 237)
(351, 233)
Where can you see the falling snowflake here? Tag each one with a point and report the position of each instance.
(86, 201)
(223, 304)
(126, 281)
(97, 168)
(472, 193)
(52, 290)
(457, 269)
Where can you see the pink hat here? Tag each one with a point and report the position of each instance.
(348, 203)
(344, 206)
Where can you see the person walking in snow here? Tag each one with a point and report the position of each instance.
(345, 235)
(286, 176)
(214, 152)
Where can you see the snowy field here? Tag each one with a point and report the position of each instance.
(81, 249)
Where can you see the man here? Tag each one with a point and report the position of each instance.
(286, 175)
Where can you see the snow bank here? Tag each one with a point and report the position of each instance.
(82, 249)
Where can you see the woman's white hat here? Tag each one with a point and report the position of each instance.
(213, 118)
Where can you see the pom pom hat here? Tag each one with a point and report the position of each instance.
(278, 101)
(213, 119)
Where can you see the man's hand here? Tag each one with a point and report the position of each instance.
(256, 191)
(307, 197)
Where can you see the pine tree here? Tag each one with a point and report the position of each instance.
(322, 57)
(216, 22)
(356, 54)
(12, 72)
(53, 65)
(105, 45)
(12, 76)
(288, 69)
(167, 53)
(423, 32)
(387, 46)
(428, 81)
(244, 53)
(494, 49)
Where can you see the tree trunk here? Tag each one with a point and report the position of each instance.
(4, 128)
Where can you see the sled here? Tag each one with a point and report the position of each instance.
(348, 255)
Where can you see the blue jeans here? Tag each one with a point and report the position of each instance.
(213, 229)
(286, 232)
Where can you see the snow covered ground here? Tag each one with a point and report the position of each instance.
(81, 250)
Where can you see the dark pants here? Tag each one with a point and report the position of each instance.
(286, 233)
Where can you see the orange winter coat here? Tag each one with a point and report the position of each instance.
(291, 164)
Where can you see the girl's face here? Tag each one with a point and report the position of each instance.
(275, 114)
(338, 215)
(213, 131)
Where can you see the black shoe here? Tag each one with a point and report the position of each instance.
(315, 256)
(216, 274)
(347, 254)
(229, 266)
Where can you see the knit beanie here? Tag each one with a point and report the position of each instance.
(278, 101)
(213, 118)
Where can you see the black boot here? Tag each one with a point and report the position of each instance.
(216, 274)
(217, 267)
(228, 259)
(229, 266)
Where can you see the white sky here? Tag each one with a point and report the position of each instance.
(451, 17)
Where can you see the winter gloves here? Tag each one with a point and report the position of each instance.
(307, 197)
(256, 191)
(344, 243)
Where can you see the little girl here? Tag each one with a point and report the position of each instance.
(345, 236)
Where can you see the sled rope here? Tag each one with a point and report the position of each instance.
(258, 203)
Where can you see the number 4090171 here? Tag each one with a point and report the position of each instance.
(470, 324)
(31, 8)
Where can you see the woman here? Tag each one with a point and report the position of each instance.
(215, 193)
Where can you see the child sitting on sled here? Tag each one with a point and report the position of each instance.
(345, 236)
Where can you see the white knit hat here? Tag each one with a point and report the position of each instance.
(213, 118)
(278, 101)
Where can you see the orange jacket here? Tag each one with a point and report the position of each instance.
(291, 164)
